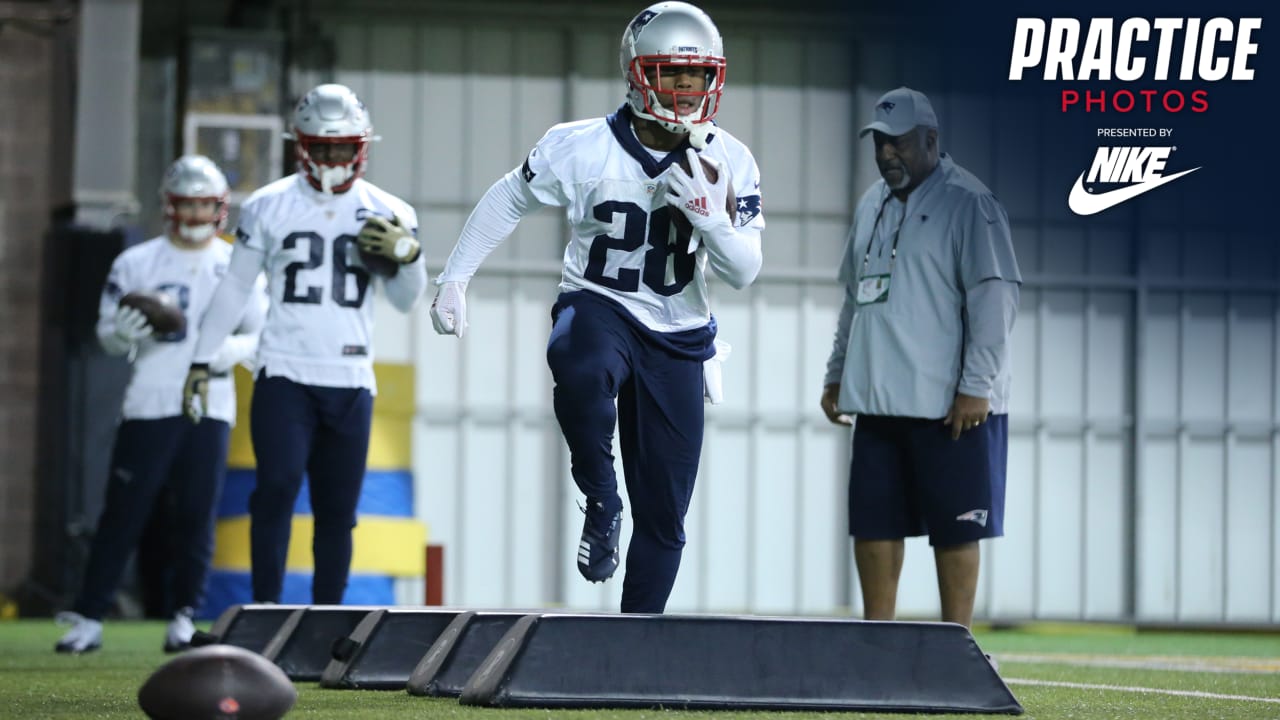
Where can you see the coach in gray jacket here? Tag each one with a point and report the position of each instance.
(921, 357)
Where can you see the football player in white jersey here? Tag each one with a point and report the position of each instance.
(156, 448)
(316, 233)
(633, 325)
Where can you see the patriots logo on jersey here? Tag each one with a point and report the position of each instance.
(527, 172)
(748, 209)
(641, 20)
(363, 213)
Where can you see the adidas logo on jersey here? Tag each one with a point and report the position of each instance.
(698, 205)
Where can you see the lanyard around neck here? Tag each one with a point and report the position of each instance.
(893, 253)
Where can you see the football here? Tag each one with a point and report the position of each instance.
(730, 201)
(379, 264)
(160, 309)
(217, 682)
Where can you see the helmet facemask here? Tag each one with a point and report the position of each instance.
(194, 231)
(331, 115)
(326, 175)
(686, 111)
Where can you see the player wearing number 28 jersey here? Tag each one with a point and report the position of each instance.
(326, 238)
(633, 326)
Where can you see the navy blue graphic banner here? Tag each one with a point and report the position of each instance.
(1158, 112)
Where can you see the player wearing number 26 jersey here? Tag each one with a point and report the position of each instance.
(644, 191)
(320, 328)
(326, 239)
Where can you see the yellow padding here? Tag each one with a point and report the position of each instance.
(389, 443)
(395, 390)
(383, 546)
(390, 440)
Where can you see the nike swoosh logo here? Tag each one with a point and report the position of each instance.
(1082, 202)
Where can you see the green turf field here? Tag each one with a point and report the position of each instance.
(1056, 671)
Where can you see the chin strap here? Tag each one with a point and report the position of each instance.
(196, 234)
(330, 176)
(697, 133)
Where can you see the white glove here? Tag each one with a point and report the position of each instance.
(712, 382)
(701, 200)
(449, 309)
(132, 325)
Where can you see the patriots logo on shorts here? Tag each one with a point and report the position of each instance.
(242, 236)
(978, 516)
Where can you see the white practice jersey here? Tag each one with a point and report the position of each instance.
(160, 367)
(319, 329)
(623, 243)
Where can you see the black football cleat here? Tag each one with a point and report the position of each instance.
(598, 549)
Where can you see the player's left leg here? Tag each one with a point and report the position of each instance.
(152, 560)
(335, 471)
(660, 424)
(962, 488)
(196, 483)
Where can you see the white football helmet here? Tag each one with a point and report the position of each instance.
(194, 177)
(673, 33)
(331, 114)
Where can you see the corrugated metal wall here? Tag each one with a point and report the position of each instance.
(1167, 344)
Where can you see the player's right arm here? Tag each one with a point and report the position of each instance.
(226, 308)
(119, 329)
(242, 345)
(495, 217)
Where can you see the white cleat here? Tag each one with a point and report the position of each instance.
(177, 636)
(84, 636)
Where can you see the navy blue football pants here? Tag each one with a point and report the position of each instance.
(597, 357)
(150, 457)
(323, 432)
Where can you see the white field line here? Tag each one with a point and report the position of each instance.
(1153, 691)
(1242, 665)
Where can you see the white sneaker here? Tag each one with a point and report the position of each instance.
(177, 636)
(84, 636)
